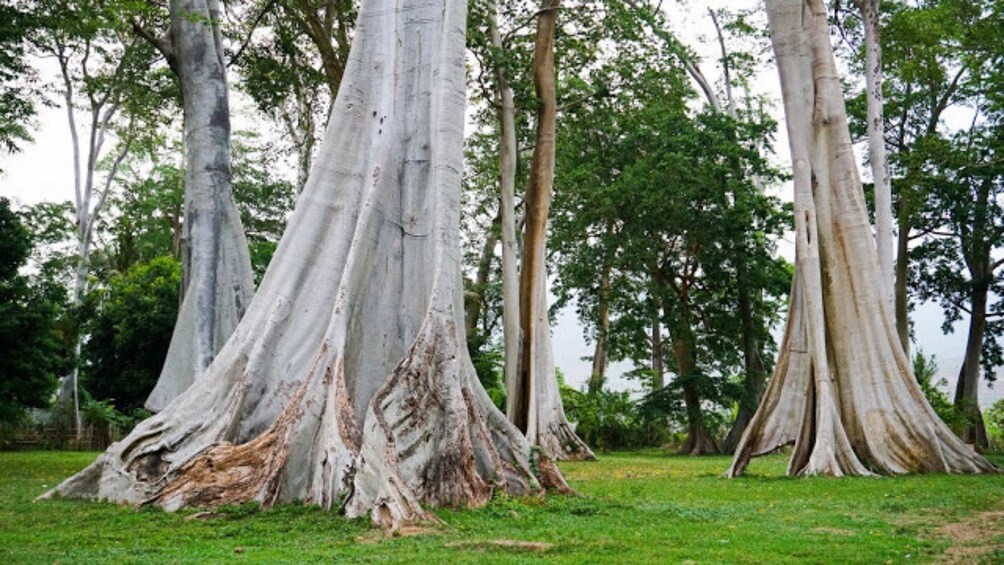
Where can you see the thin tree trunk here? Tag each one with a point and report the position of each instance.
(755, 373)
(843, 391)
(699, 440)
(507, 209)
(476, 296)
(967, 387)
(220, 282)
(658, 373)
(535, 407)
(597, 377)
(901, 293)
(347, 383)
(876, 141)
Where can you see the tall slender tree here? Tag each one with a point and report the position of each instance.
(532, 399)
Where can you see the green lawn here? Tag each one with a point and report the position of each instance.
(635, 507)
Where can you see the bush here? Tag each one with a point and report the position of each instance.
(924, 369)
(994, 420)
(611, 420)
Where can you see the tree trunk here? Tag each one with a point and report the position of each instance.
(598, 374)
(507, 209)
(476, 296)
(220, 282)
(876, 140)
(902, 298)
(658, 379)
(347, 384)
(533, 402)
(843, 391)
(755, 373)
(967, 388)
(699, 440)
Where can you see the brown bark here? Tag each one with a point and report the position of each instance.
(598, 375)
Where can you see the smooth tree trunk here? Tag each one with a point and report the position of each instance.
(842, 391)
(89, 196)
(347, 384)
(967, 387)
(218, 279)
(475, 297)
(655, 339)
(533, 402)
(901, 297)
(507, 210)
(598, 374)
(976, 246)
(876, 141)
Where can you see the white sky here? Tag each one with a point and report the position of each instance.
(43, 172)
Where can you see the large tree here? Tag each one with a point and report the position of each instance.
(347, 383)
(843, 391)
(216, 266)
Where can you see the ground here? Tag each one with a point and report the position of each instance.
(640, 507)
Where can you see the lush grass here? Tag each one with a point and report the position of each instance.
(635, 507)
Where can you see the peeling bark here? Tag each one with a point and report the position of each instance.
(219, 281)
(842, 392)
(348, 384)
(533, 401)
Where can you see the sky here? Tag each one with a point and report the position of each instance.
(43, 172)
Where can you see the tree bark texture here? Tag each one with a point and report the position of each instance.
(348, 383)
(876, 141)
(598, 375)
(219, 283)
(968, 385)
(507, 210)
(533, 401)
(842, 391)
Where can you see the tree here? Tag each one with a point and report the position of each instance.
(18, 91)
(34, 353)
(956, 264)
(347, 384)
(216, 266)
(130, 332)
(532, 399)
(869, 10)
(102, 71)
(842, 390)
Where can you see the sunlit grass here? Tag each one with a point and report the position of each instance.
(634, 507)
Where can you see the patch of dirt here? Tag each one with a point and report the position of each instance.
(378, 535)
(832, 531)
(517, 545)
(973, 537)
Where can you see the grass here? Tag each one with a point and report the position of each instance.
(635, 507)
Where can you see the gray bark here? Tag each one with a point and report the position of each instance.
(507, 210)
(842, 392)
(347, 384)
(219, 281)
(876, 141)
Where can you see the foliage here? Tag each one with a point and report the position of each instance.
(608, 420)
(130, 333)
(34, 352)
(18, 88)
(639, 507)
(994, 418)
(924, 369)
